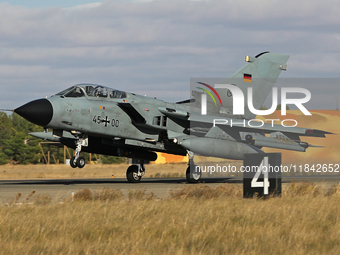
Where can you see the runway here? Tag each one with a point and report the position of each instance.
(59, 189)
(63, 188)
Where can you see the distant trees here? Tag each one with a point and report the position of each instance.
(17, 147)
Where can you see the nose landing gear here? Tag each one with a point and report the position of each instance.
(77, 161)
(80, 162)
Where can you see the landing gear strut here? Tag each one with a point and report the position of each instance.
(134, 173)
(77, 161)
(193, 173)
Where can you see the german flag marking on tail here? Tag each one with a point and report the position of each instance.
(247, 77)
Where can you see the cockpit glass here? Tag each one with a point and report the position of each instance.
(117, 94)
(92, 91)
(75, 92)
(64, 91)
(97, 91)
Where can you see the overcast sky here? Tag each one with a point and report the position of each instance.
(155, 47)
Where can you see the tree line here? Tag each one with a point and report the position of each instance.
(18, 147)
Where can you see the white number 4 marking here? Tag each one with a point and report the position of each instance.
(263, 167)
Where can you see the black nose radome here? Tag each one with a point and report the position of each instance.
(39, 112)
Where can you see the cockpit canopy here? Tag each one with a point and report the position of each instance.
(91, 90)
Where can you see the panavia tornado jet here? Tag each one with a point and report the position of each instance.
(97, 119)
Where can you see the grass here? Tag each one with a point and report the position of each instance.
(169, 170)
(104, 194)
(89, 171)
(194, 220)
(202, 191)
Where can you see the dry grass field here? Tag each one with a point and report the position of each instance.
(89, 171)
(194, 220)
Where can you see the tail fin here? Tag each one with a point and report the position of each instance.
(260, 73)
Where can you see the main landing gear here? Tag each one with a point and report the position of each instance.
(77, 161)
(134, 173)
(193, 173)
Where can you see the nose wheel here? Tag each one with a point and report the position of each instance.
(73, 162)
(77, 161)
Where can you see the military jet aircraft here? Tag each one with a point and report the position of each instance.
(97, 119)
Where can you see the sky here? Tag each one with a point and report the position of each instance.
(49, 3)
(154, 47)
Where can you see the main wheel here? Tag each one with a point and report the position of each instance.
(132, 174)
(73, 164)
(80, 162)
(195, 175)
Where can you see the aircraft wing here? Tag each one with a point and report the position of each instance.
(241, 130)
(240, 125)
(256, 127)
